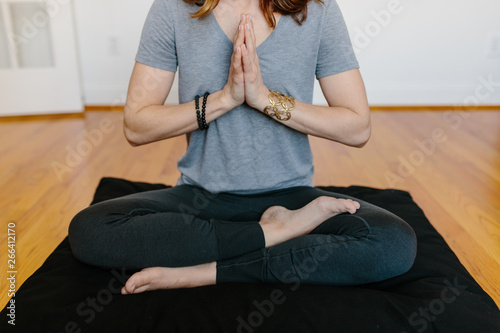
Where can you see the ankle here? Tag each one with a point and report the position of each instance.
(273, 232)
(206, 273)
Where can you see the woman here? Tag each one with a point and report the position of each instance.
(244, 208)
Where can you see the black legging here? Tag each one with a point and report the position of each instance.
(185, 225)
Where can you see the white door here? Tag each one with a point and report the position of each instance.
(39, 71)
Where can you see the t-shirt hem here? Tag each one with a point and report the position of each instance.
(337, 71)
(152, 63)
(284, 185)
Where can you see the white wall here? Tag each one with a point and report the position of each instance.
(422, 53)
(426, 52)
(108, 33)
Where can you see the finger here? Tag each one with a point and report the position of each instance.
(247, 60)
(249, 33)
(237, 54)
(247, 51)
(240, 35)
(250, 41)
(237, 62)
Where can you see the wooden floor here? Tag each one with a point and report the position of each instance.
(449, 162)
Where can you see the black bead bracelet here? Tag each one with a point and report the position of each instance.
(203, 107)
(200, 116)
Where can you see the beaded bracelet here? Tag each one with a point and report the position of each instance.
(200, 116)
(286, 102)
(204, 123)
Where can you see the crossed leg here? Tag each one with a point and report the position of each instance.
(278, 224)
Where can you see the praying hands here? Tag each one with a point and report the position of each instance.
(245, 82)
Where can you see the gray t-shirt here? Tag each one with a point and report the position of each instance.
(246, 151)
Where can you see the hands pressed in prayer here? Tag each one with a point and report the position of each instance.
(245, 82)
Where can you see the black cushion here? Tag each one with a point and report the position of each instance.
(436, 295)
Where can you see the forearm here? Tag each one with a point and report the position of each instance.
(346, 120)
(158, 122)
(338, 124)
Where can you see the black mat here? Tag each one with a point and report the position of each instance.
(436, 295)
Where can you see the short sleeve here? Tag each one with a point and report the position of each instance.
(157, 46)
(335, 54)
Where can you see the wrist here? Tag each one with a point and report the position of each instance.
(226, 101)
(216, 105)
(279, 106)
(261, 101)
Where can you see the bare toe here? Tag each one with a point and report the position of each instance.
(141, 281)
(337, 206)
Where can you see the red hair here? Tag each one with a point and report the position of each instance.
(296, 8)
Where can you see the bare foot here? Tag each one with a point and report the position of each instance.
(280, 224)
(153, 278)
